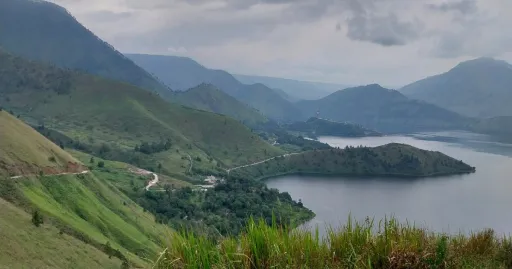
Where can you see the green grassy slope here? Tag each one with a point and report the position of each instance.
(86, 206)
(44, 31)
(26, 246)
(24, 151)
(97, 110)
(207, 97)
(387, 160)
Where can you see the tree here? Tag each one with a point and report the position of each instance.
(101, 164)
(91, 160)
(108, 250)
(37, 218)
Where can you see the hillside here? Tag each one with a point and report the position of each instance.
(476, 88)
(181, 73)
(24, 151)
(387, 160)
(114, 115)
(44, 31)
(85, 209)
(318, 127)
(383, 110)
(500, 126)
(296, 89)
(209, 98)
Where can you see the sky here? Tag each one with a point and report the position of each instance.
(391, 42)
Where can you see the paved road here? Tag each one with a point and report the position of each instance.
(260, 162)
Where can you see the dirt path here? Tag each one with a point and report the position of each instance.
(260, 162)
(191, 162)
(61, 174)
(152, 182)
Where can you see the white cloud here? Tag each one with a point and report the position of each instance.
(392, 42)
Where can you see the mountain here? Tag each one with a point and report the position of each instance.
(319, 127)
(44, 31)
(181, 73)
(79, 209)
(476, 88)
(388, 160)
(499, 126)
(209, 98)
(383, 110)
(111, 115)
(296, 89)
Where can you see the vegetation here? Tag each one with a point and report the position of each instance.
(87, 114)
(391, 159)
(186, 74)
(37, 218)
(27, 246)
(475, 88)
(386, 244)
(207, 97)
(37, 37)
(383, 110)
(24, 151)
(224, 209)
(316, 127)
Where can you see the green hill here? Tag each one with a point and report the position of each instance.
(319, 127)
(476, 88)
(24, 151)
(383, 110)
(44, 31)
(182, 73)
(207, 97)
(387, 160)
(114, 115)
(86, 208)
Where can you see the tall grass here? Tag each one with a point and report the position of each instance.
(386, 244)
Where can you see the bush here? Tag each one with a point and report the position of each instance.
(101, 164)
(37, 218)
(52, 159)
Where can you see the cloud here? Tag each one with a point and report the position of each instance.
(463, 6)
(365, 24)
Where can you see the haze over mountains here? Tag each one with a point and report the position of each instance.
(477, 88)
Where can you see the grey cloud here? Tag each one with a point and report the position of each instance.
(386, 30)
(463, 6)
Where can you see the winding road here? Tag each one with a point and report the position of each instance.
(260, 162)
(152, 182)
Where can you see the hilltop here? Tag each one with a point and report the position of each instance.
(43, 31)
(383, 110)
(318, 127)
(181, 73)
(24, 151)
(476, 88)
(387, 160)
(111, 115)
(209, 98)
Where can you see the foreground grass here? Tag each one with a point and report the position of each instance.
(387, 244)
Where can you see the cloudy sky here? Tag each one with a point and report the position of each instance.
(392, 42)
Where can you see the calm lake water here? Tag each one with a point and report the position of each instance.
(449, 204)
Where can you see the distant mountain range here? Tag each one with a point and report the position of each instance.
(42, 31)
(296, 89)
(383, 110)
(180, 73)
(477, 88)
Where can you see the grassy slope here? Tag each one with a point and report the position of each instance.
(102, 110)
(318, 127)
(391, 159)
(86, 206)
(25, 246)
(23, 150)
(207, 97)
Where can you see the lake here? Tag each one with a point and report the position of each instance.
(450, 204)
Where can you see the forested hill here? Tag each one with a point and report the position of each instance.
(317, 127)
(383, 110)
(387, 160)
(43, 31)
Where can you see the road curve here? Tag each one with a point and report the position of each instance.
(152, 182)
